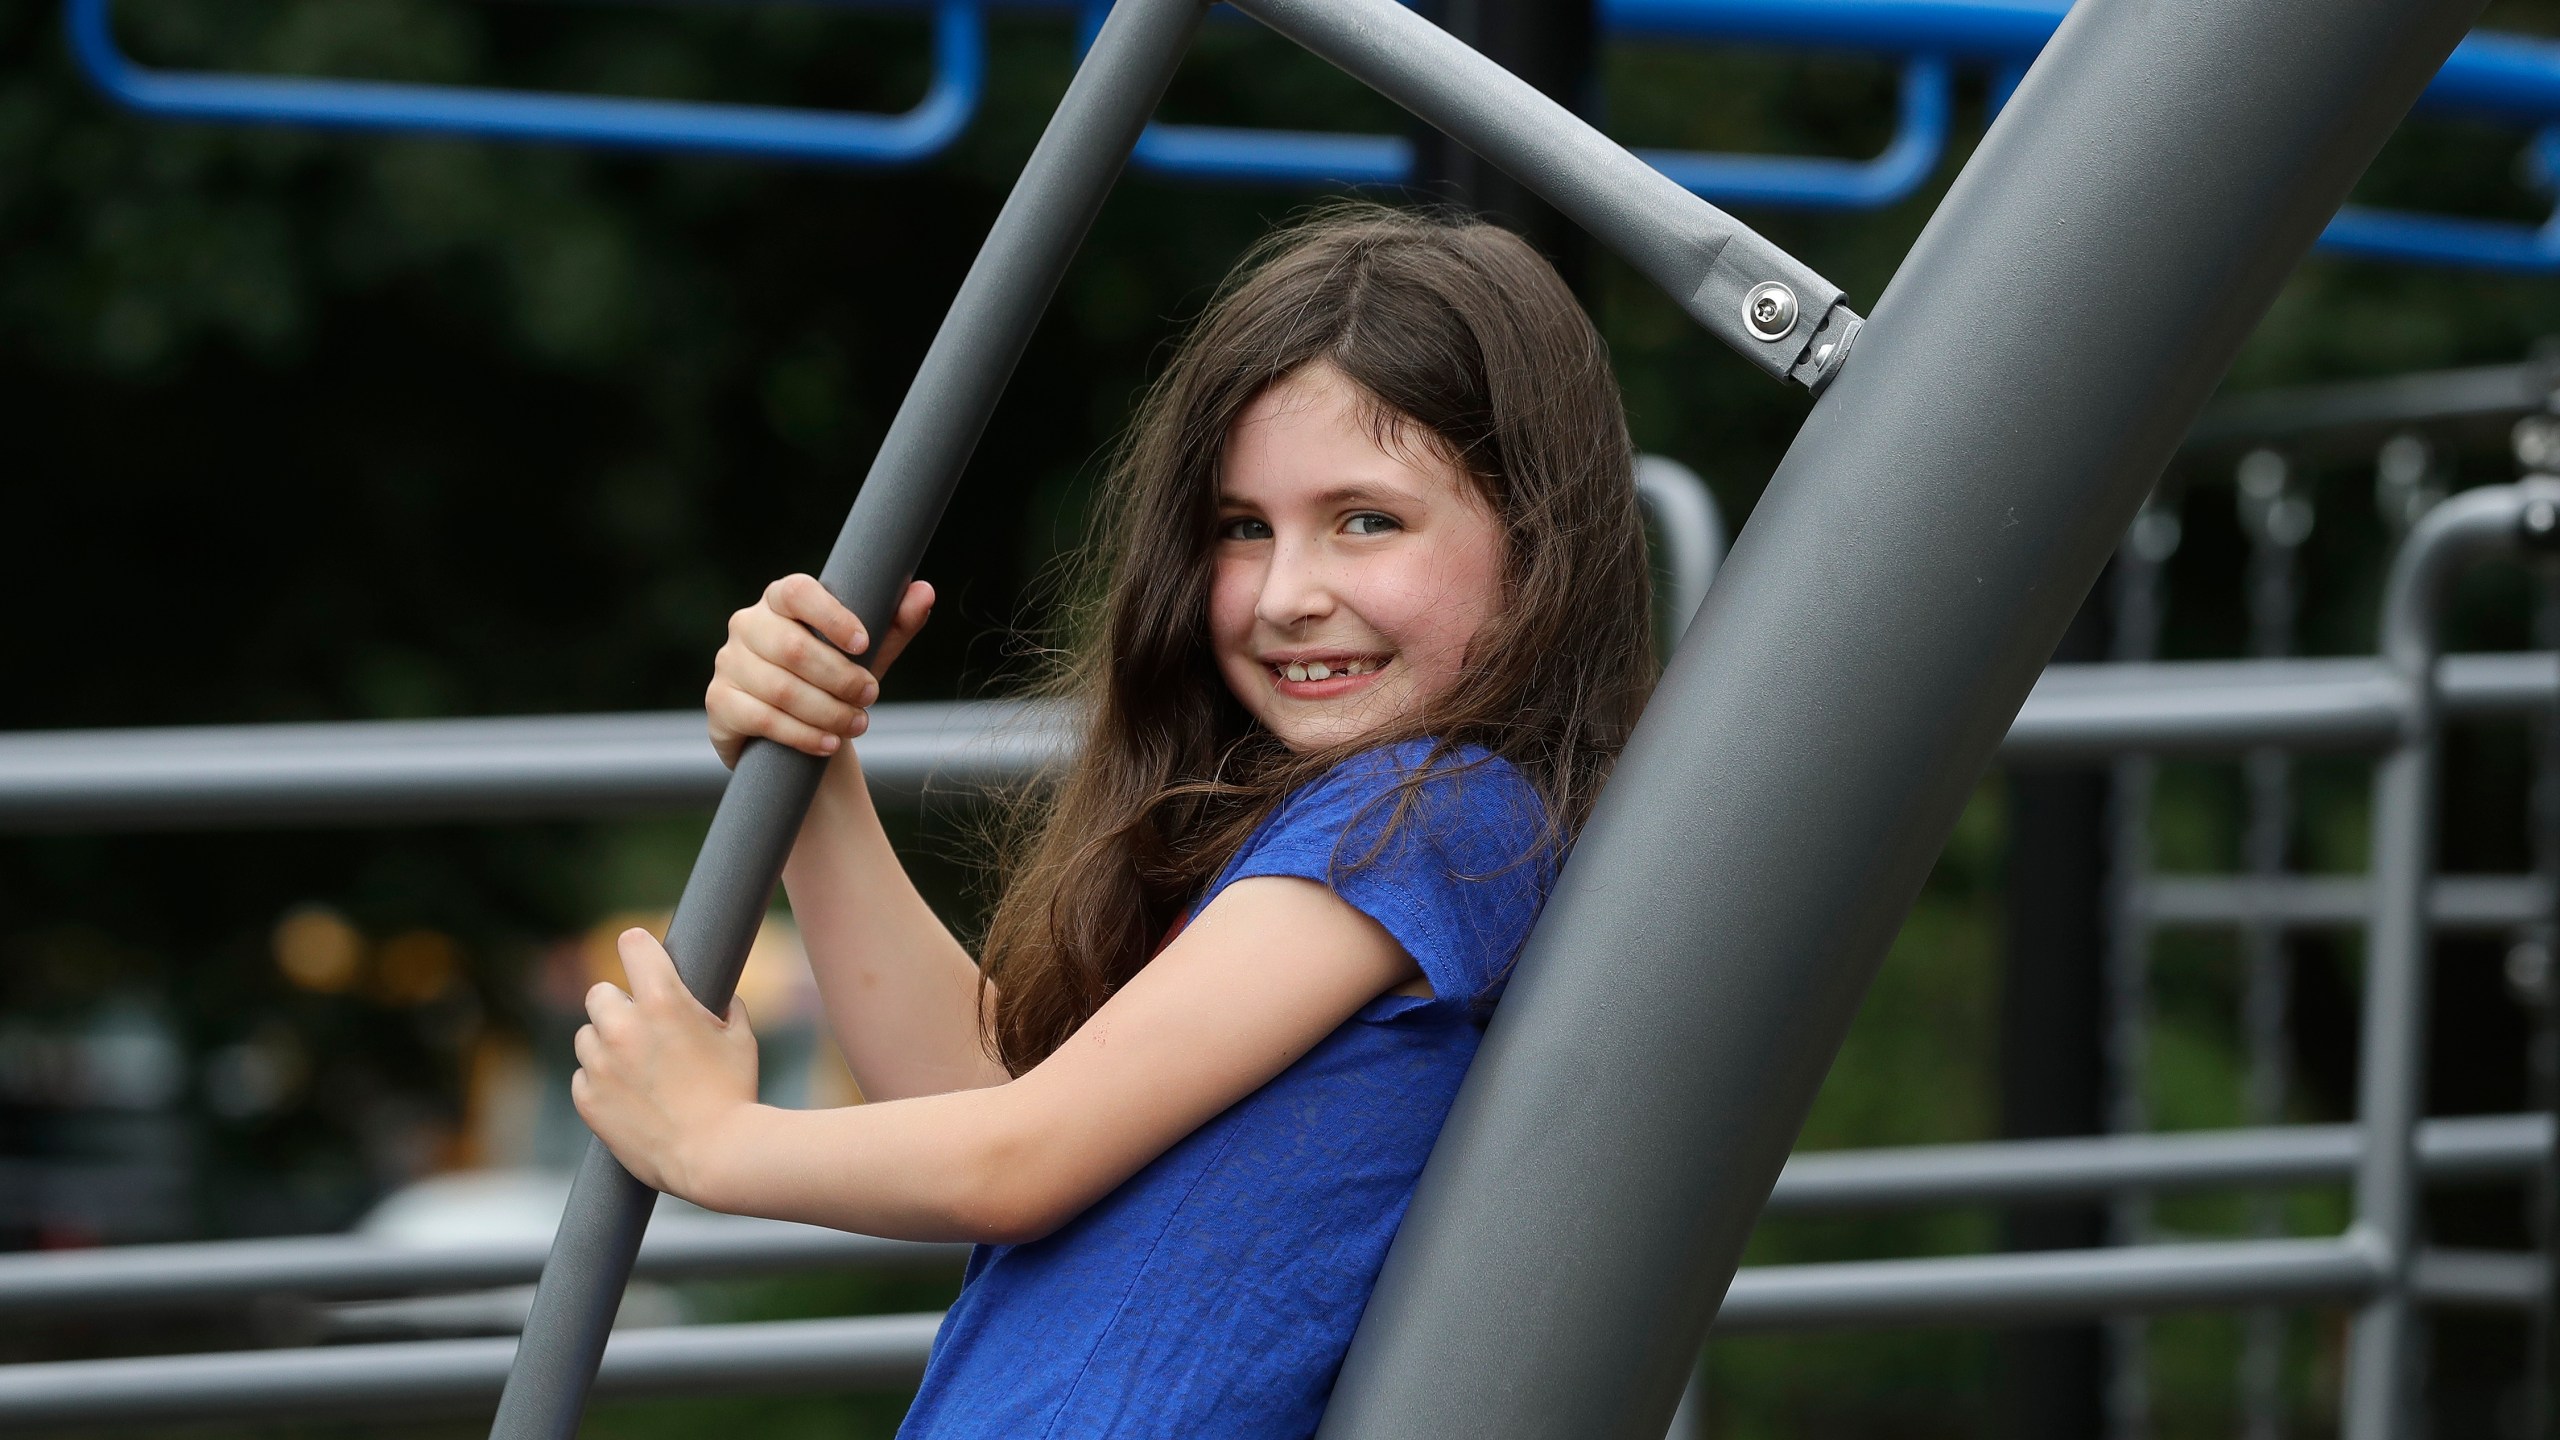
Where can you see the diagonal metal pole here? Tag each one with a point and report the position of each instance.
(1945, 509)
(1062, 187)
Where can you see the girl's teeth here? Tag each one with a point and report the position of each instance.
(1319, 670)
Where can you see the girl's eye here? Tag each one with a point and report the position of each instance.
(1244, 527)
(1370, 522)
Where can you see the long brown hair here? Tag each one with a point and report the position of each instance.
(1464, 340)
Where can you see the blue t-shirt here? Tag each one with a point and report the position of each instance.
(1214, 1292)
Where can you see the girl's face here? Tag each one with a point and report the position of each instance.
(1347, 578)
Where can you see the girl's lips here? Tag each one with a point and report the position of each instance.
(1331, 687)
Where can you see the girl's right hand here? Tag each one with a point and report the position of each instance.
(788, 672)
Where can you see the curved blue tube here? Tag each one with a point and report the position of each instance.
(1303, 157)
(1820, 183)
(937, 120)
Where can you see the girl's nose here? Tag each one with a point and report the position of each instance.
(1295, 590)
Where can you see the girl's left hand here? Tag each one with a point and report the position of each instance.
(659, 1077)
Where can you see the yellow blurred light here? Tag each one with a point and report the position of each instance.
(316, 949)
(415, 967)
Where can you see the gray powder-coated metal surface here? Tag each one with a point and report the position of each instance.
(1934, 527)
(551, 766)
(911, 480)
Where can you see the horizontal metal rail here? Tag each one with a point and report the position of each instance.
(2465, 1150)
(565, 766)
(46, 1284)
(2474, 903)
(2046, 1285)
(2482, 1279)
(888, 1351)
(426, 1377)
(43, 1285)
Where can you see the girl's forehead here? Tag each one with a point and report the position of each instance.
(1315, 438)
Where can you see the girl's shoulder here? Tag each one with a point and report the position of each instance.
(1446, 846)
(1461, 808)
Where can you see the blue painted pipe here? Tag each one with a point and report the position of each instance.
(1818, 183)
(619, 122)
(2491, 74)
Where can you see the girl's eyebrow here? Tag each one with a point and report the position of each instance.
(1357, 493)
(1353, 492)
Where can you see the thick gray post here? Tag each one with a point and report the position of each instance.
(2392, 1065)
(1948, 504)
(1062, 187)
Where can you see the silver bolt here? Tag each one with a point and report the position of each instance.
(1769, 311)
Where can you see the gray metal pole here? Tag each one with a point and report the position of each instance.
(1709, 263)
(2277, 518)
(2391, 1086)
(1916, 557)
(964, 372)
(2139, 578)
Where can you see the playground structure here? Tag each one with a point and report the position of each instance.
(1436, 1322)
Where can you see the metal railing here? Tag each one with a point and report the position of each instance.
(2504, 77)
(368, 773)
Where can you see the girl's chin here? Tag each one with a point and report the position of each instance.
(1307, 727)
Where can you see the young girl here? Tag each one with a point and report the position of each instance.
(1375, 622)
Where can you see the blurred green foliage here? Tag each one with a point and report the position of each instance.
(306, 426)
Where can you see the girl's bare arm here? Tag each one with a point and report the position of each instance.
(1268, 970)
(900, 993)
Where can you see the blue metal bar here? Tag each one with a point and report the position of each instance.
(1302, 157)
(1820, 183)
(1966, 29)
(2491, 74)
(620, 122)
(2455, 240)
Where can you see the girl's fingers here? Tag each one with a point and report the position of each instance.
(744, 716)
(792, 695)
(605, 1001)
(802, 598)
(914, 608)
(651, 970)
(780, 640)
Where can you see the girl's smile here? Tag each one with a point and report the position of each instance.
(1352, 566)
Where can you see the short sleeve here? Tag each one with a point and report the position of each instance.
(1457, 877)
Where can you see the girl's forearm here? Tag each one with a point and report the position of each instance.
(938, 1168)
(901, 994)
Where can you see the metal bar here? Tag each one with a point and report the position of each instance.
(1692, 531)
(2463, 1151)
(382, 771)
(1709, 263)
(502, 769)
(50, 1284)
(2480, 1279)
(1926, 112)
(2494, 904)
(427, 1377)
(605, 120)
(1921, 548)
(2355, 415)
(889, 1351)
(2044, 1285)
(1061, 188)
(2139, 582)
(2391, 1090)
